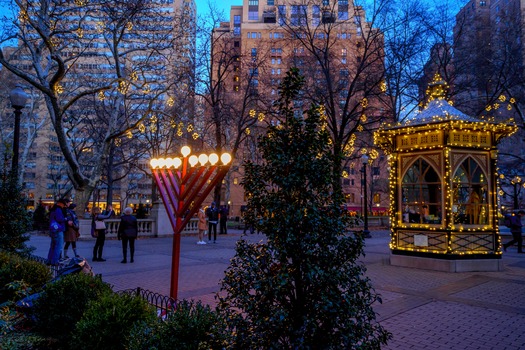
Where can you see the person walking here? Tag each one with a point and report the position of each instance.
(98, 229)
(201, 226)
(128, 232)
(213, 218)
(57, 226)
(223, 219)
(515, 229)
(72, 231)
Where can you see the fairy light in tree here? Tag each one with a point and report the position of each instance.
(59, 89)
(101, 96)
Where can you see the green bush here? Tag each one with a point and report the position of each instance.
(192, 326)
(14, 220)
(108, 321)
(64, 301)
(14, 268)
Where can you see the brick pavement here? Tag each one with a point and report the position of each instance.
(423, 309)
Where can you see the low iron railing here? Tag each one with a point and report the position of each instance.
(162, 303)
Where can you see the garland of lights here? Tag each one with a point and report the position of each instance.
(450, 134)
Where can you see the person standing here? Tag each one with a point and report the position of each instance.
(224, 212)
(213, 218)
(72, 231)
(515, 229)
(100, 232)
(128, 232)
(57, 226)
(201, 226)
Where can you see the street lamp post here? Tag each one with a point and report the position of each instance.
(183, 185)
(18, 99)
(366, 232)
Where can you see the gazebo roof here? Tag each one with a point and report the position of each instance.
(436, 111)
(438, 108)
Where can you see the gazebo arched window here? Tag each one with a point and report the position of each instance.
(469, 194)
(421, 190)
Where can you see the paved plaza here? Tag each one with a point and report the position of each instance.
(422, 309)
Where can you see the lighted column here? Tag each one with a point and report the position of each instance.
(183, 184)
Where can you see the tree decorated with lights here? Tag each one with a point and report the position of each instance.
(304, 287)
(102, 68)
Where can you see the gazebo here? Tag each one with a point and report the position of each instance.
(443, 187)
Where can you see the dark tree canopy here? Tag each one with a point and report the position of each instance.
(304, 287)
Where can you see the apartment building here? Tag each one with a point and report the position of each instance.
(264, 38)
(489, 61)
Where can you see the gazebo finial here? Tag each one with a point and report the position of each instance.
(437, 88)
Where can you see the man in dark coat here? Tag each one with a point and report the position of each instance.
(128, 231)
(515, 229)
(213, 218)
(223, 219)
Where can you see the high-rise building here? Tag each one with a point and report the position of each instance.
(336, 50)
(489, 64)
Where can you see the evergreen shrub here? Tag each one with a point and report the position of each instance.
(108, 321)
(191, 326)
(15, 268)
(64, 301)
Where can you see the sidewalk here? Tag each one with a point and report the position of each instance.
(422, 309)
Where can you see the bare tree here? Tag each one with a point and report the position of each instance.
(120, 52)
(233, 107)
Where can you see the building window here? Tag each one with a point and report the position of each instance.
(253, 15)
(421, 194)
(298, 15)
(254, 51)
(253, 2)
(316, 15)
(270, 2)
(344, 53)
(282, 14)
(377, 198)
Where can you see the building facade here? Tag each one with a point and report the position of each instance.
(340, 56)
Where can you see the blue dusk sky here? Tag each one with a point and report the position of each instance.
(224, 5)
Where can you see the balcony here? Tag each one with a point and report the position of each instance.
(270, 15)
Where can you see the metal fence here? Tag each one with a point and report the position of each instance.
(162, 303)
(54, 269)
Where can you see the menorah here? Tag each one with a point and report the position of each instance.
(183, 191)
